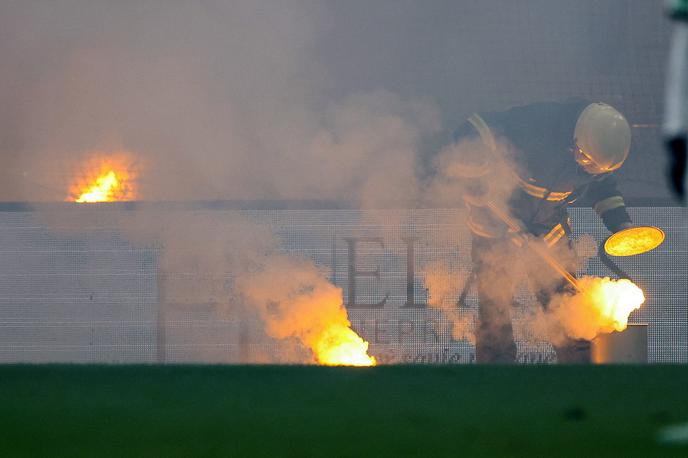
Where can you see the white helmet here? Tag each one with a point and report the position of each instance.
(602, 138)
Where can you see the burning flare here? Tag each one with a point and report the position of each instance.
(105, 180)
(614, 300)
(339, 345)
(103, 190)
(603, 305)
(296, 301)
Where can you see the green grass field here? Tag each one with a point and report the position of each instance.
(271, 411)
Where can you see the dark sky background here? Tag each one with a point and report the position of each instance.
(220, 99)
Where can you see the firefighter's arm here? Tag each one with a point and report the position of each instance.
(609, 204)
(472, 165)
(470, 161)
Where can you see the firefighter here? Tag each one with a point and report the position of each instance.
(561, 152)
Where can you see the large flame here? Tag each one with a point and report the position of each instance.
(339, 345)
(602, 305)
(104, 179)
(614, 300)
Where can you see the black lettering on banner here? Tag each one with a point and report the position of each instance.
(404, 329)
(380, 331)
(410, 273)
(354, 272)
(430, 329)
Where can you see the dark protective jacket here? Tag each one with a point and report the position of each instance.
(547, 174)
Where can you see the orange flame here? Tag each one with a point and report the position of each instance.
(339, 345)
(295, 300)
(603, 305)
(614, 301)
(108, 179)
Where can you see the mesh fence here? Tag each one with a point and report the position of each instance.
(92, 295)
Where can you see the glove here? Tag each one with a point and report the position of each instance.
(623, 226)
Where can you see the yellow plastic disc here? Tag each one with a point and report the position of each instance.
(634, 240)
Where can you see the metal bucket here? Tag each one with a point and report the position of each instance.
(628, 346)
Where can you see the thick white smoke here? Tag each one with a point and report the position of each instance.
(216, 100)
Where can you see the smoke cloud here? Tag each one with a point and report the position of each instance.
(444, 284)
(602, 306)
(229, 100)
(219, 100)
(295, 300)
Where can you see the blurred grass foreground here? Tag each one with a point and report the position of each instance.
(296, 411)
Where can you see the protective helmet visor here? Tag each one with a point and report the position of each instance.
(587, 162)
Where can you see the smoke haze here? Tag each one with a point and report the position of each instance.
(259, 100)
(217, 100)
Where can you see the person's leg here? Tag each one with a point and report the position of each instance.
(573, 351)
(494, 334)
(569, 351)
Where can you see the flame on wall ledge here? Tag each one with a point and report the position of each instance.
(105, 178)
